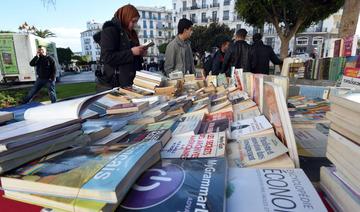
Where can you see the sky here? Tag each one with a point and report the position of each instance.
(67, 18)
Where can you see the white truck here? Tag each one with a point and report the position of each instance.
(17, 50)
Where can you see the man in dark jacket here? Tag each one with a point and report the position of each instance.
(218, 59)
(262, 54)
(238, 54)
(46, 72)
(121, 52)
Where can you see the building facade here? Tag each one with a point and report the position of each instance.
(154, 24)
(315, 36)
(203, 12)
(88, 45)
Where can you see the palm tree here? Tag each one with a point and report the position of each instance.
(44, 33)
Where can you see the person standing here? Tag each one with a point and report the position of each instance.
(223, 45)
(178, 54)
(121, 52)
(262, 55)
(46, 72)
(238, 54)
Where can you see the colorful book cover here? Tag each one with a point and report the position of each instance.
(254, 150)
(95, 168)
(195, 146)
(180, 185)
(271, 190)
(163, 125)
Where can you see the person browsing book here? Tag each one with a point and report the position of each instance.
(262, 55)
(178, 54)
(46, 72)
(121, 52)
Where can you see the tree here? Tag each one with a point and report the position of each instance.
(44, 33)
(81, 60)
(288, 17)
(64, 55)
(349, 18)
(162, 48)
(204, 37)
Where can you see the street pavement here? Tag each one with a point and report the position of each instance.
(86, 76)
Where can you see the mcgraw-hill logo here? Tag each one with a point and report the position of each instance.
(155, 186)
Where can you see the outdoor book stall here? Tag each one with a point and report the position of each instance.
(187, 143)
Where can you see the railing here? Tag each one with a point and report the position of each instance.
(215, 5)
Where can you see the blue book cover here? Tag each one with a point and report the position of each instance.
(179, 185)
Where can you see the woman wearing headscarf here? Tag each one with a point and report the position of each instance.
(121, 53)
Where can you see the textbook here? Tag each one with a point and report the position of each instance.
(182, 185)
(99, 173)
(195, 146)
(254, 150)
(271, 190)
(250, 127)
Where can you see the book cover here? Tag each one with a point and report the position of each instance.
(161, 125)
(180, 185)
(271, 190)
(249, 127)
(218, 125)
(275, 109)
(189, 124)
(254, 150)
(218, 116)
(93, 172)
(195, 146)
(247, 114)
(244, 105)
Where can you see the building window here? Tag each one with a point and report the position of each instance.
(214, 16)
(159, 16)
(150, 15)
(144, 24)
(143, 14)
(203, 18)
(226, 15)
(203, 4)
(151, 34)
(145, 34)
(317, 41)
(151, 25)
(160, 33)
(174, 6)
(184, 5)
(193, 18)
(227, 2)
(302, 41)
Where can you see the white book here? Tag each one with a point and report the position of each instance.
(189, 124)
(250, 127)
(150, 75)
(271, 190)
(254, 150)
(195, 146)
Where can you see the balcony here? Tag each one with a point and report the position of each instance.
(204, 6)
(214, 5)
(194, 7)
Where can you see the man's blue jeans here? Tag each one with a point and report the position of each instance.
(39, 83)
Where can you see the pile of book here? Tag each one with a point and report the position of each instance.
(148, 81)
(161, 153)
(341, 183)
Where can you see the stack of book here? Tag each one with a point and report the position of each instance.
(148, 81)
(342, 183)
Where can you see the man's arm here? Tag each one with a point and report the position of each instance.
(169, 65)
(227, 58)
(53, 69)
(34, 61)
(274, 59)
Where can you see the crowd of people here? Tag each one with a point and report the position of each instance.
(122, 55)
